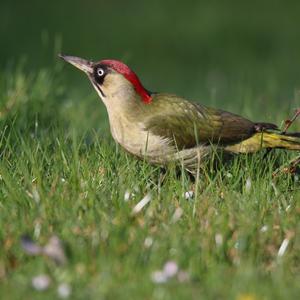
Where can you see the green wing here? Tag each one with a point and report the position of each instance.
(188, 124)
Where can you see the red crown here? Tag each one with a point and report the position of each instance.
(123, 69)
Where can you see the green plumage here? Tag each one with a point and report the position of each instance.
(190, 124)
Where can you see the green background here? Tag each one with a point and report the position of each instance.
(204, 50)
(62, 174)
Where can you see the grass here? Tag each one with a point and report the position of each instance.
(62, 174)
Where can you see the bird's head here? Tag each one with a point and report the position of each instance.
(114, 81)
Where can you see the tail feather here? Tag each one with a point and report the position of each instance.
(295, 134)
(267, 139)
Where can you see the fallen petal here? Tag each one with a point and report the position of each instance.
(64, 290)
(264, 228)
(141, 204)
(188, 195)
(148, 242)
(41, 282)
(170, 269)
(159, 277)
(29, 246)
(248, 185)
(219, 239)
(35, 195)
(127, 195)
(54, 250)
(183, 276)
(283, 247)
(177, 214)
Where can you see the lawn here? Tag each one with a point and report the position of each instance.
(82, 219)
(233, 234)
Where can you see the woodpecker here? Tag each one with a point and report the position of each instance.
(164, 128)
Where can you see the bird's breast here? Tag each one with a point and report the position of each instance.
(135, 139)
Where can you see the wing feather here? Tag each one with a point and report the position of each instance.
(189, 124)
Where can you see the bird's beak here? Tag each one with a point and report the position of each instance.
(80, 63)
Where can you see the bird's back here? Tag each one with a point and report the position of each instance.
(190, 124)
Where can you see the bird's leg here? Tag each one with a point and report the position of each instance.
(268, 150)
(288, 122)
(162, 176)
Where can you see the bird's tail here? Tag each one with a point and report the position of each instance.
(267, 139)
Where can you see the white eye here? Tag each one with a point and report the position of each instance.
(100, 72)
